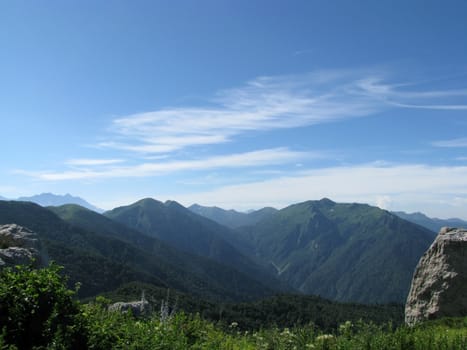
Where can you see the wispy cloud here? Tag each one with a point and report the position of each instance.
(151, 142)
(92, 162)
(274, 102)
(240, 160)
(399, 95)
(266, 103)
(453, 143)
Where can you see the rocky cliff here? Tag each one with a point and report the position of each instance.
(18, 246)
(439, 284)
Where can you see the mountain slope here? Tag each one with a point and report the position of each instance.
(102, 262)
(232, 218)
(433, 224)
(50, 199)
(345, 252)
(189, 232)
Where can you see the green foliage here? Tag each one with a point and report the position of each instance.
(121, 331)
(287, 310)
(38, 312)
(299, 310)
(36, 309)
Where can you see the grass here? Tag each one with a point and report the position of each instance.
(181, 331)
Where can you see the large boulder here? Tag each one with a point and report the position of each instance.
(19, 246)
(439, 284)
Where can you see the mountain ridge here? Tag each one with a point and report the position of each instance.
(102, 262)
(47, 199)
(342, 251)
(433, 224)
(176, 225)
(232, 218)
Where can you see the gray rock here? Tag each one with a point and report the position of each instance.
(439, 284)
(19, 246)
(137, 308)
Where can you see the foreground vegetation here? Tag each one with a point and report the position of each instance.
(282, 311)
(37, 311)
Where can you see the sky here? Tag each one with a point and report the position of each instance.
(239, 104)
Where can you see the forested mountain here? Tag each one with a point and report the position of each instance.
(433, 224)
(102, 255)
(346, 252)
(192, 233)
(232, 218)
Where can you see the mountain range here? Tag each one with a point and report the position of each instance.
(102, 255)
(433, 224)
(232, 218)
(191, 233)
(235, 219)
(50, 199)
(341, 251)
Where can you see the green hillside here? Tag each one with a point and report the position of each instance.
(346, 252)
(192, 233)
(101, 256)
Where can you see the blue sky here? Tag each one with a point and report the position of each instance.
(239, 104)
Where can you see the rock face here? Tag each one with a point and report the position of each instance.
(439, 285)
(19, 246)
(137, 308)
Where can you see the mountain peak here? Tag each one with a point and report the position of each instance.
(47, 199)
(326, 201)
(173, 204)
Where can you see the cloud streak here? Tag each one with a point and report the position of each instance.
(92, 162)
(454, 143)
(154, 140)
(240, 160)
(271, 103)
(398, 95)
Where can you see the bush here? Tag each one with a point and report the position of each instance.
(38, 311)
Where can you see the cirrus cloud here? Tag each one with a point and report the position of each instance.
(239, 160)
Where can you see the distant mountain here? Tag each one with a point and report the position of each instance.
(433, 224)
(345, 252)
(103, 255)
(192, 233)
(50, 199)
(232, 218)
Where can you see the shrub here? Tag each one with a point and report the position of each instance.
(37, 310)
